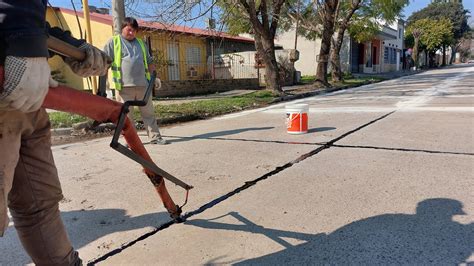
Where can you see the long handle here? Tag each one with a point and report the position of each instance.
(65, 49)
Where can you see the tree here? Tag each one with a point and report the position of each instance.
(432, 33)
(416, 31)
(327, 14)
(262, 18)
(453, 11)
(447, 1)
(348, 10)
(363, 18)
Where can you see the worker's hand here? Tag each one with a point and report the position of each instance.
(26, 84)
(157, 84)
(96, 63)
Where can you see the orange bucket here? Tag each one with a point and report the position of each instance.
(297, 118)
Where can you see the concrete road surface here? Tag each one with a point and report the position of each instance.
(385, 175)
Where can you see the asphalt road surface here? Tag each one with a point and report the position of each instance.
(385, 175)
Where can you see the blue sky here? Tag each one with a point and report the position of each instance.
(414, 5)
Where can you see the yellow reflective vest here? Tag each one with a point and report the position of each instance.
(117, 63)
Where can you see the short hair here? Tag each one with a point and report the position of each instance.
(129, 21)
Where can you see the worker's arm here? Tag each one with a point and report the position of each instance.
(24, 53)
(96, 62)
(150, 60)
(151, 68)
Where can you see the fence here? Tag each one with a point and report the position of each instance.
(187, 64)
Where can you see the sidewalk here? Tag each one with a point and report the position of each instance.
(389, 75)
(217, 95)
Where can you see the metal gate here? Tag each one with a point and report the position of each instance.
(173, 57)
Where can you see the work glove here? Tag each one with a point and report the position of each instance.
(96, 62)
(157, 83)
(26, 84)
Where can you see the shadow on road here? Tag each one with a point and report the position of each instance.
(216, 134)
(87, 226)
(320, 129)
(428, 237)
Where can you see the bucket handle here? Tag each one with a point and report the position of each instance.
(293, 118)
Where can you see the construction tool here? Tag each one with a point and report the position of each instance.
(66, 99)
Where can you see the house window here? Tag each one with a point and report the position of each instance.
(399, 33)
(385, 55)
(193, 55)
(393, 56)
(368, 54)
(218, 51)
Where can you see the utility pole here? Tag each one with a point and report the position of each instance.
(297, 23)
(85, 9)
(118, 14)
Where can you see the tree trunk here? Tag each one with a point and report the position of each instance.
(266, 49)
(329, 12)
(336, 73)
(415, 53)
(265, 31)
(337, 44)
(444, 55)
(454, 49)
(453, 54)
(427, 59)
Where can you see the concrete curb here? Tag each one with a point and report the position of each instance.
(61, 131)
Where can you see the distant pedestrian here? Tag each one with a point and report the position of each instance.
(131, 68)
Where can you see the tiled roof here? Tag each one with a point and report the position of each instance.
(107, 19)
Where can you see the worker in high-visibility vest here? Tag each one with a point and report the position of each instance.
(131, 69)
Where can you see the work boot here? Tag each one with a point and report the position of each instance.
(159, 141)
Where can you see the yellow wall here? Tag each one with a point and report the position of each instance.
(160, 42)
(102, 32)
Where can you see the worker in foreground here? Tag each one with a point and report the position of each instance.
(29, 182)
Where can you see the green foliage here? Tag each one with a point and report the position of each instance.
(232, 17)
(160, 60)
(434, 33)
(61, 119)
(213, 107)
(453, 11)
(363, 29)
(186, 111)
(235, 17)
(366, 21)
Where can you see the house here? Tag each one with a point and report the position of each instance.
(180, 52)
(384, 53)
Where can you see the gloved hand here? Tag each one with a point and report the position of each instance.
(26, 84)
(96, 62)
(157, 83)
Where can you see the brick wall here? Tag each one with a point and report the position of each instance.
(196, 87)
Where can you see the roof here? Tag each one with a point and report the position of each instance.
(107, 19)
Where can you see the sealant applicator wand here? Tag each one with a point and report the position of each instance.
(66, 99)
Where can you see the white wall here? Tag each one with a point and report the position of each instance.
(397, 28)
(308, 51)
